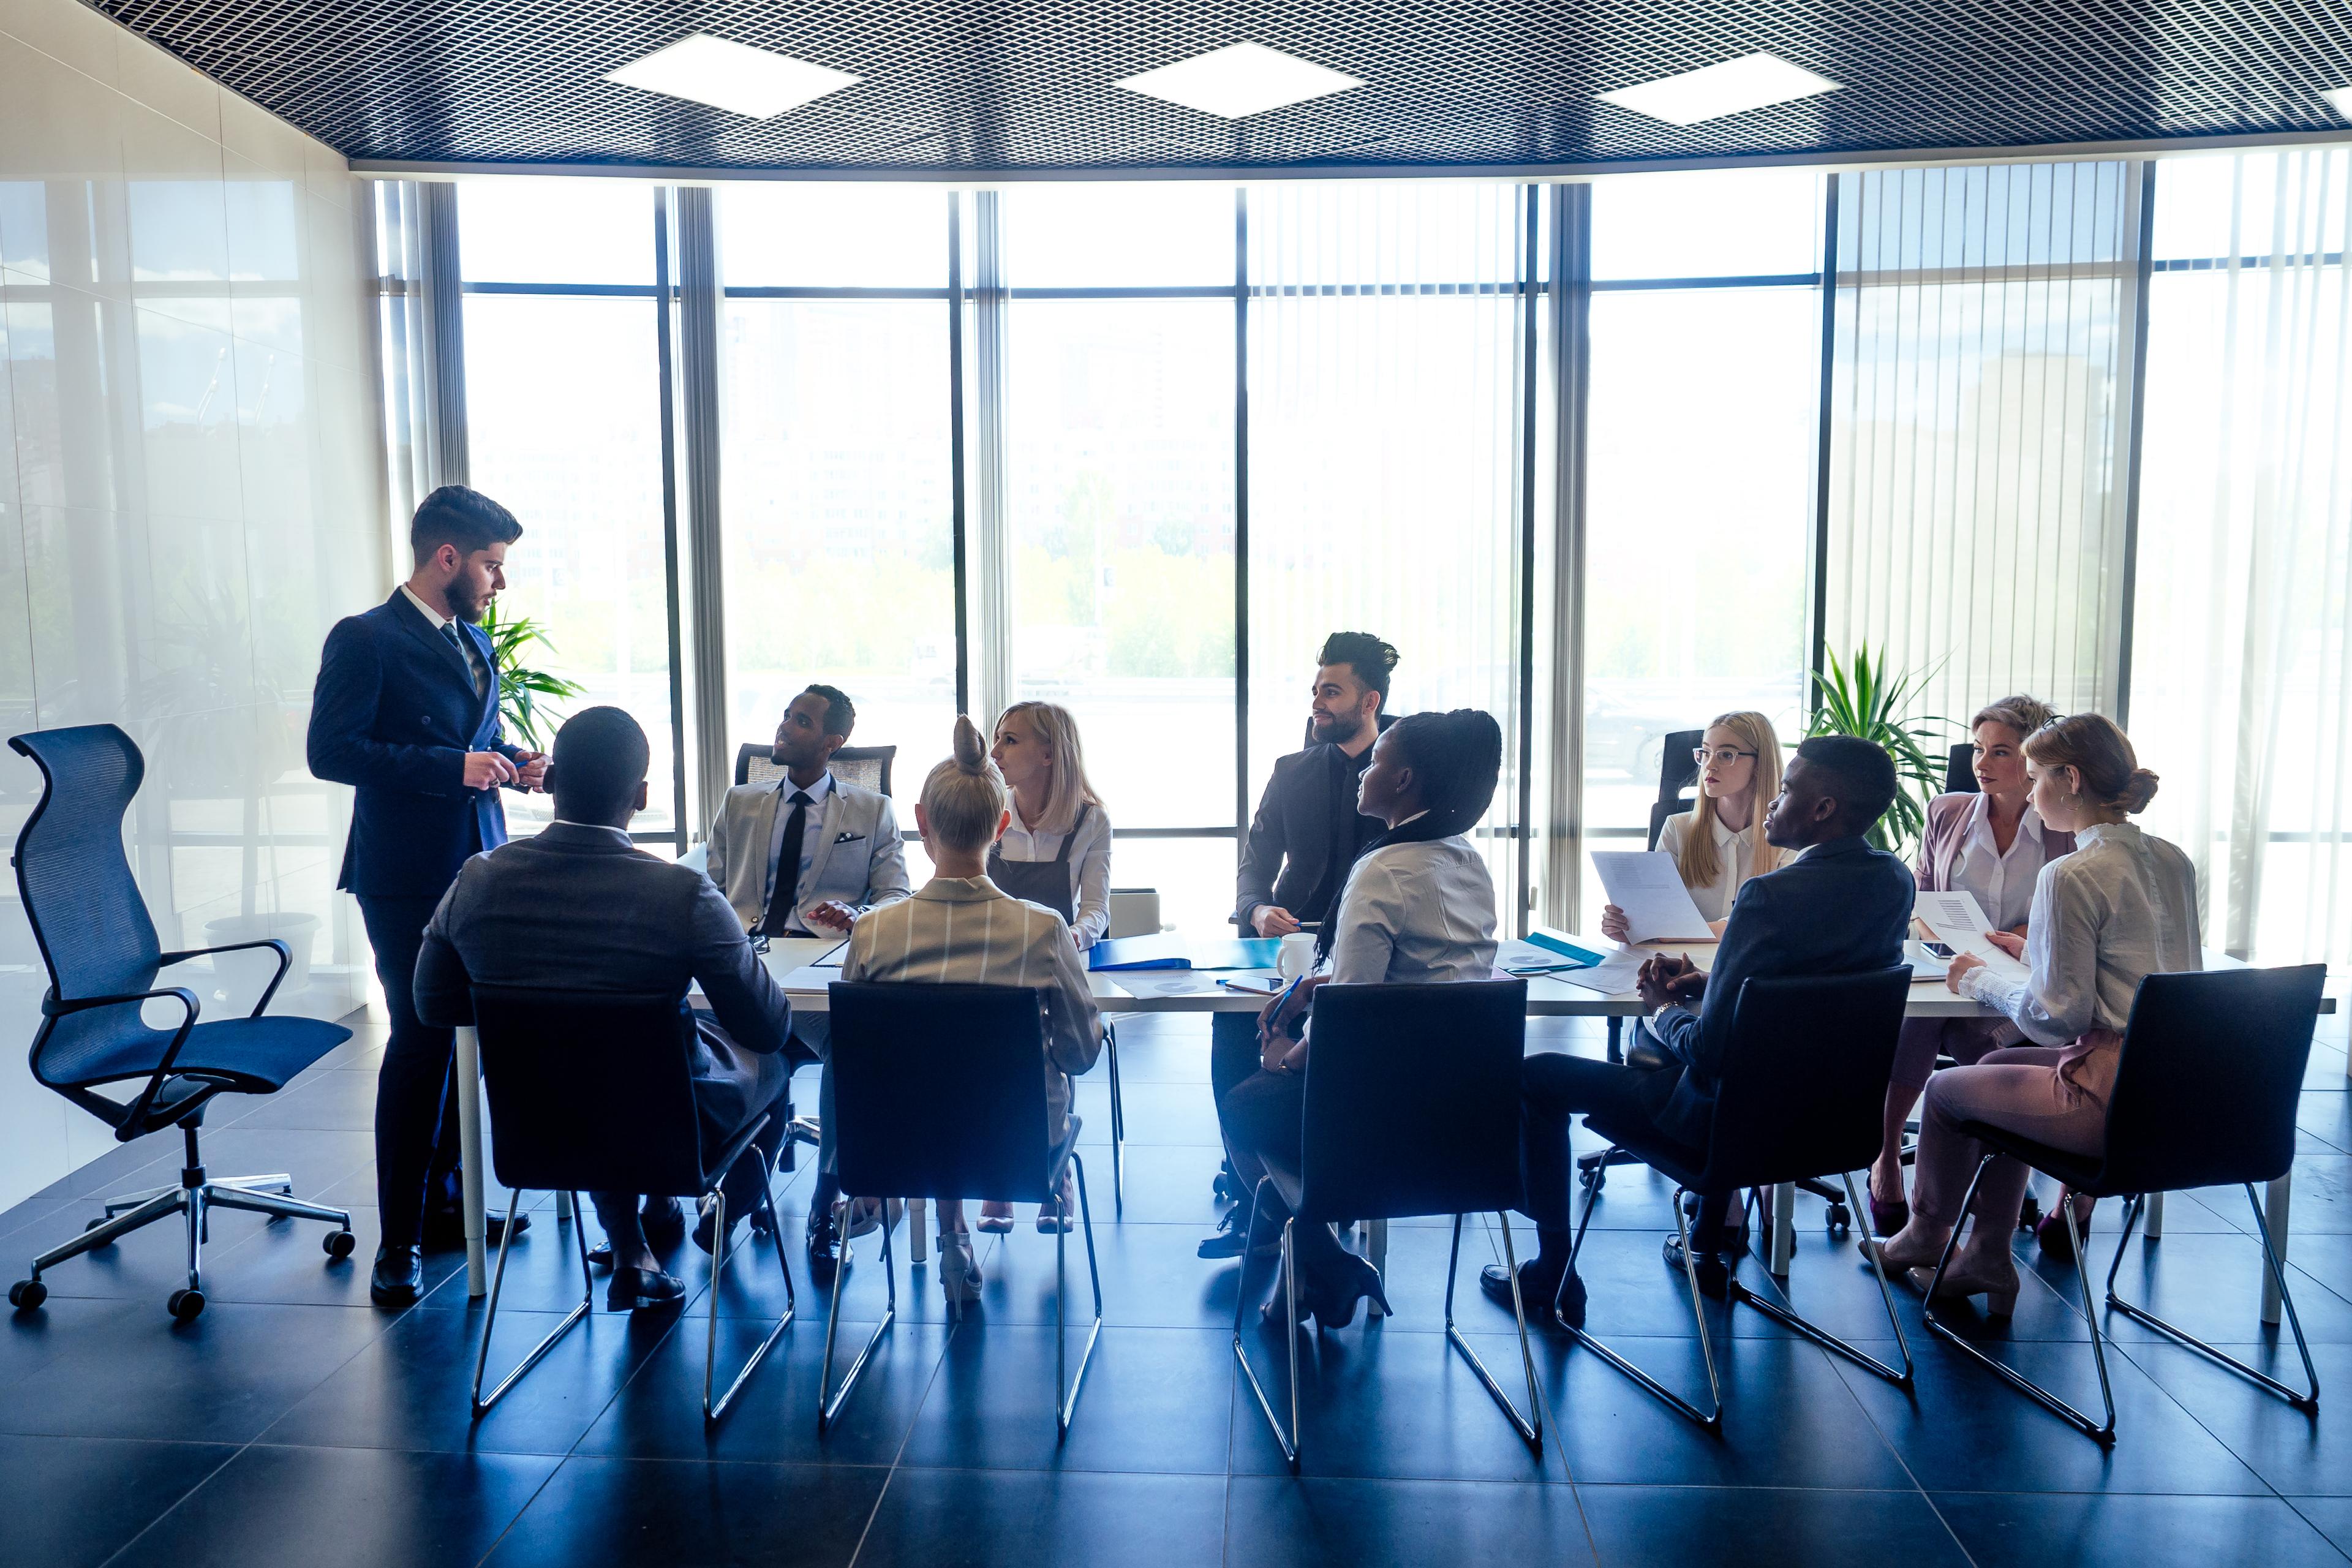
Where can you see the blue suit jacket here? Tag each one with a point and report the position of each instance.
(394, 715)
(1842, 908)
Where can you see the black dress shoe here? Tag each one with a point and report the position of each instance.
(1227, 1241)
(1538, 1291)
(664, 1228)
(824, 1246)
(445, 1229)
(1714, 1274)
(398, 1278)
(643, 1291)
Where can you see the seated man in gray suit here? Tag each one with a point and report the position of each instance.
(581, 909)
(841, 842)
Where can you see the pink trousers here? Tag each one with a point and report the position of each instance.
(2020, 1090)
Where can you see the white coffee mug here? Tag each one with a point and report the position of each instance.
(1295, 956)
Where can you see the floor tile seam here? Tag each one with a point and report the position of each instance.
(383, 1325)
(180, 1501)
(2145, 1367)
(2315, 1530)
(897, 1455)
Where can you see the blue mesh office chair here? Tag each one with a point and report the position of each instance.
(102, 956)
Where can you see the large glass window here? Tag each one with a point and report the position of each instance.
(562, 395)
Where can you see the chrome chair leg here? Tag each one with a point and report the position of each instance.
(1530, 1431)
(252, 1201)
(116, 1205)
(1788, 1318)
(1067, 1402)
(827, 1410)
(719, 1262)
(1118, 1126)
(1712, 1420)
(2310, 1401)
(481, 1406)
(1288, 1440)
(2102, 1435)
(277, 1181)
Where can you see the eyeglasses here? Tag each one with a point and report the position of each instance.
(1701, 756)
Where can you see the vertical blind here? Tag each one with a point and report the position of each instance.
(1385, 333)
(2241, 674)
(1976, 489)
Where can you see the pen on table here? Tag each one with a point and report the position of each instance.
(1252, 988)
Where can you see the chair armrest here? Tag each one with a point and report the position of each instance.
(277, 944)
(53, 1006)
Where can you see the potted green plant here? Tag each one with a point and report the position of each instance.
(1866, 700)
(521, 689)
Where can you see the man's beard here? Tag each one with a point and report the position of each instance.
(462, 607)
(1339, 729)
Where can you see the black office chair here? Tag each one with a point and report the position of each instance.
(868, 767)
(1960, 770)
(938, 1091)
(1412, 1109)
(1677, 771)
(593, 1093)
(1804, 1081)
(102, 955)
(2205, 1096)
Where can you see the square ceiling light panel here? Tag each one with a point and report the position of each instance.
(757, 83)
(1240, 80)
(1733, 87)
(2340, 97)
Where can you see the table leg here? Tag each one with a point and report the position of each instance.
(917, 1247)
(2274, 1207)
(2152, 1224)
(469, 1068)
(562, 1209)
(1376, 1252)
(1784, 1226)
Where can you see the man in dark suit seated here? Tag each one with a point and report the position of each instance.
(583, 910)
(1841, 908)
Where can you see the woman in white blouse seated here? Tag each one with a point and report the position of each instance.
(2121, 907)
(1993, 844)
(1418, 907)
(961, 929)
(1718, 844)
(1054, 849)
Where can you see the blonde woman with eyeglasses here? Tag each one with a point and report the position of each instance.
(1718, 844)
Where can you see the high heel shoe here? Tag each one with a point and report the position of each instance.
(1059, 1215)
(2050, 1233)
(1336, 1299)
(1999, 1289)
(996, 1224)
(1895, 1258)
(959, 1271)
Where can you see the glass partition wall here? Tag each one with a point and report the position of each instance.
(1138, 448)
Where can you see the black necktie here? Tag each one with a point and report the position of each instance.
(788, 869)
(458, 640)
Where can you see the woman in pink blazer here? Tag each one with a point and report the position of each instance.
(1992, 844)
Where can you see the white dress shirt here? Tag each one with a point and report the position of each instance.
(1089, 860)
(819, 795)
(1416, 912)
(2002, 884)
(1735, 859)
(2121, 907)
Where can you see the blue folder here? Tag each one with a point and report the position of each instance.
(1171, 950)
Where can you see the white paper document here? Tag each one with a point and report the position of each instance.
(1612, 978)
(1649, 888)
(1960, 923)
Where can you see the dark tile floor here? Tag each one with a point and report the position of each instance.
(294, 1423)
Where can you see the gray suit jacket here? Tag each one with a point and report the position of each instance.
(580, 909)
(859, 860)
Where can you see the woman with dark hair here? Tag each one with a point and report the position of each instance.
(2123, 906)
(1418, 907)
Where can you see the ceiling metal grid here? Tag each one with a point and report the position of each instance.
(975, 87)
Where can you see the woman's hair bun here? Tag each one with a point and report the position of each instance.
(971, 749)
(2138, 791)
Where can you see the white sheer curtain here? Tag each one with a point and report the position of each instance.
(1976, 484)
(2241, 665)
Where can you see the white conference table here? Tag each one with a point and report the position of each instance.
(802, 970)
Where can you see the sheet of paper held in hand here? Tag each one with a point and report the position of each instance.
(1649, 888)
(1960, 923)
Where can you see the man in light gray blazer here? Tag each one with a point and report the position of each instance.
(580, 909)
(805, 855)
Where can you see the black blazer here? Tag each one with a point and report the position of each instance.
(1284, 857)
(394, 715)
(1843, 908)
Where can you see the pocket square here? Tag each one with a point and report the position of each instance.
(848, 837)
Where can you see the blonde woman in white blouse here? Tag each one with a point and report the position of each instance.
(1718, 844)
(2123, 906)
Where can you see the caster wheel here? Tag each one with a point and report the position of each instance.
(26, 1294)
(184, 1305)
(338, 1243)
(93, 1225)
(1841, 1218)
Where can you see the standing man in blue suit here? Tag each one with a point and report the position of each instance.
(406, 711)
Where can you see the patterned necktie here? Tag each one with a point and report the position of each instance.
(782, 897)
(458, 641)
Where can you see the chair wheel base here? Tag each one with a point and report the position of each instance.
(338, 1244)
(26, 1294)
(93, 1225)
(1841, 1218)
(184, 1305)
